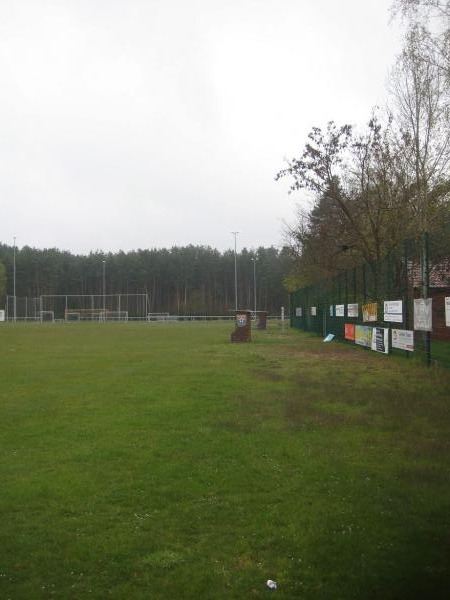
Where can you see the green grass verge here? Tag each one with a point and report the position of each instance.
(161, 461)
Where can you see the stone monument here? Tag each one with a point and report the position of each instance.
(242, 327)
(261, 319)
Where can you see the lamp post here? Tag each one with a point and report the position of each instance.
(235, 233)
(104, 285)
(14, 279)
(254, 280)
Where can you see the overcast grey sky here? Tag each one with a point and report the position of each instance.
(130, 124)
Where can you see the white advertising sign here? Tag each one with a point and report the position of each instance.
(403, 339)
(380, 339)
(423, 314)
(298, 311)
(2, 315)
(353, 310)
(393, 311)
(447, 312)
(313, 311)
(340, 310)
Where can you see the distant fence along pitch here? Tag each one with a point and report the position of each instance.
(72, 308)
(398, 305)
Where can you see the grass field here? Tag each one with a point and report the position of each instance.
(146, 461)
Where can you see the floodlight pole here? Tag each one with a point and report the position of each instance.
(14, 278)
(254, 280)
(235, 233)
(104, 285)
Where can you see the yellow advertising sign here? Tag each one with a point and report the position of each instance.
(370, 312)
(363, 335)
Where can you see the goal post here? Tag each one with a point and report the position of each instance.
(86, 314)
(47, 316)
(160, 316)
(116, 315)
(78, 307)
(71, 316)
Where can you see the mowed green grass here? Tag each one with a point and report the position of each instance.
(157, 460)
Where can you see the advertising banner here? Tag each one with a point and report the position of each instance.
(370, 312)
(423, 314)
(353, 310)
(447, 312)
(403, 339)
(349, 331)
(340, 310)
(298, 311)
(313, 311)
(2, 315)
(363, 335)
(380, 340)
(393, 311)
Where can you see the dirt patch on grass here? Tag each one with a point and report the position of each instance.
(300, 414)
(338, 352)
(298, 417)
(249, 413)
(432, 449)
(424, 475)
(267, 375)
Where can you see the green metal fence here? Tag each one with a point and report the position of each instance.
(396, 298)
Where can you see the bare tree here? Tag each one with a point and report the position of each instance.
(422, 8)
(434, 17)
(422, 115)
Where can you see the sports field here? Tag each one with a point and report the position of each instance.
(158, 460)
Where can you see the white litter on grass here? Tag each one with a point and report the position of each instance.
(271, 584)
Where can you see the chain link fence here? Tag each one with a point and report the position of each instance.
(398, 305)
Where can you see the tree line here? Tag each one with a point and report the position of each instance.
(180, 280)
(371, 188)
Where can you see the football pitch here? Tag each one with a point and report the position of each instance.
(161, 461)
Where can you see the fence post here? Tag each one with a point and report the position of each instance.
(406, 288)
(364, 285)
(346, 290)
(425, 289)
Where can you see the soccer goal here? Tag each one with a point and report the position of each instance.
(86, 314)
(47, 316)
(78, 307)
(95, 314)
(161, 316)
(97, 307)
(116, 315)
(72, 317)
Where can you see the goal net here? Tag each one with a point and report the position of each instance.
(97, 307)
(86, 314)
(116, 315)
(79, 307)
(95, 314)
(47, 315)
(161, 316)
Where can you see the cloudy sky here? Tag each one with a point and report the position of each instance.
(130, 124)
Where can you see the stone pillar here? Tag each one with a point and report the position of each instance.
(261, 319)
(242, 331)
